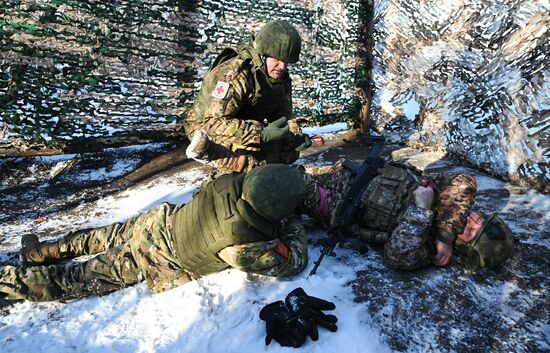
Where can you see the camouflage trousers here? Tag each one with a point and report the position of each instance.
(228, 158)
(329, 182)
(142, 247)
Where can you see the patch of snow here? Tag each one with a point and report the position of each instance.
(121, 167)
(411, 109)
(487, 183)
(56, 158)
(325, 129)
(217, 313)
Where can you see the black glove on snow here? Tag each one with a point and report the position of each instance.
(283, 325)
(291, 321)
(310, 308)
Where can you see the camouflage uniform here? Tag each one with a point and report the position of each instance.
(167, 246)
(387, 215)
(236, 101)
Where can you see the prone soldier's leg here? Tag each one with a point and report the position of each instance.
(83, 242)
(102, 274)
(455, 197)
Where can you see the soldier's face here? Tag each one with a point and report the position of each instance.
(275, 68)
(473, 223)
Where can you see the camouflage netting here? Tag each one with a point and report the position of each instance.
(468, 77)
(77, 72)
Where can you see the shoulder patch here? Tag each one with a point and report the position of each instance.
(281, 249)
(220, 91)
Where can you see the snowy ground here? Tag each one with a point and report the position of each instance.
(218, 313)
(379, 309)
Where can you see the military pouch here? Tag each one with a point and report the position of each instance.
(386, 197)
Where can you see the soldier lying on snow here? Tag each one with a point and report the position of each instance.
(242, 221)
(417, 217)
(249, 222)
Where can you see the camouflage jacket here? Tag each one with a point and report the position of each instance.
(218, 229)
(388, 198)
(286, 256)
(237, 98)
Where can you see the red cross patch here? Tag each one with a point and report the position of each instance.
(282, 250)
(220, 90)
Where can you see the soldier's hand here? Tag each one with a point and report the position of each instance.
(275, 130)
(301, 142)
(423, 197)
(443, 254)
(310, 309)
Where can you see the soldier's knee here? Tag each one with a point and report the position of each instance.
(128, 271)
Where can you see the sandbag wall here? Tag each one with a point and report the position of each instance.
(469, 77)
(75, 75)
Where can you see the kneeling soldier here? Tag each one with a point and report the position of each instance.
(244, 106)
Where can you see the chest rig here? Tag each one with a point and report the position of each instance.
(269, 96)
(272, 99)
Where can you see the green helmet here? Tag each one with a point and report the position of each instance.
(273, 190)
(491, 245)
(279, 40)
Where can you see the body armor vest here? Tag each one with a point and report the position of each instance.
(269, 96)
(273, 97)
(215, 218)
(386, 198)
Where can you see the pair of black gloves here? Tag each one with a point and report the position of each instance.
(279, 129)
(292, 321)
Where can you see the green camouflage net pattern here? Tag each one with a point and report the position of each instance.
(77, 73)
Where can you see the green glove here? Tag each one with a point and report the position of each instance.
(275, 130)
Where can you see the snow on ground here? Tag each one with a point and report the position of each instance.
(379, 309)
(325, 129)
(218, 313)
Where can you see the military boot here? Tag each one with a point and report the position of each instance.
(33, 252)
